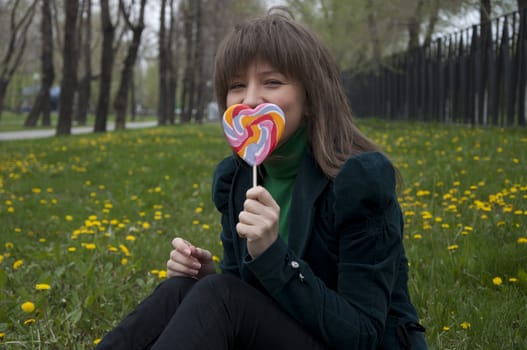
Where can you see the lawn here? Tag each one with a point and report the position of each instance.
(87, 223)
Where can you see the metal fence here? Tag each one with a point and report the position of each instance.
(476, 76)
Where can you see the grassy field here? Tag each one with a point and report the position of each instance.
(86, 225)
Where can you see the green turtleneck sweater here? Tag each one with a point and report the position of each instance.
(280, 174)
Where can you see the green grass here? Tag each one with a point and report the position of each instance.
(93, 217)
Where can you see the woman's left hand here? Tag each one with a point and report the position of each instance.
(258, 222)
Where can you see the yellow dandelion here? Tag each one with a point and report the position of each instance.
(72, 249)
(29, 321)
(162, 274)
(9, 245)
(426, 215)
(124, 249)
(195, 186)
(17, 264)
(205, 226)
(497, 281)
(146, 225)
(42, 286)
(513, 280)
(195, 222)
(418, 236)
(215, 258)
(446, 328)
(1, 258)
(36, 190)
(28, 307)
(453, 247)
(124, 261)
(89, 246)
(97, 341)
(130, 238)
(522, 240)
(198, 210)
(465, 325)
(2, 335)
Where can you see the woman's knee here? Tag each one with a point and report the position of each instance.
(173, 286)
(217, 286)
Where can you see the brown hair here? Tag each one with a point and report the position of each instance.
(299, 54)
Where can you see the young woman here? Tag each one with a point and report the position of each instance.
(314, 258)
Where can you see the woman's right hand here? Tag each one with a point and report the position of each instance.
(187, 260)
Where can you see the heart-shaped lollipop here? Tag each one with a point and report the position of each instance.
(253, 133)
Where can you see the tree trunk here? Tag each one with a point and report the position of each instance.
(42, 104)
(372, 26)
(173, 41)
(198, 58)
(68, 85)
(16, 46)
(187, 95)
(3, 89)
(84, 94)
(120, 102)
(432, 21)
(162, 68)
(414, 26)
(484, 11)
(105, 78)
(133, 111)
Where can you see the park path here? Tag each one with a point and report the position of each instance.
(35, 134)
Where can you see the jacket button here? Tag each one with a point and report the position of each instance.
(295, 264)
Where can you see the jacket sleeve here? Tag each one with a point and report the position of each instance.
(221, 191)
(367, 224)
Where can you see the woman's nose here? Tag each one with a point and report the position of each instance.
(252, 97)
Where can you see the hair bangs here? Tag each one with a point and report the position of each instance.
(272, 42)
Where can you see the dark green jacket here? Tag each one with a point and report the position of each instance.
(343, 275)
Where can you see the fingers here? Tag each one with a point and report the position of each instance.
(188, 260)
(203, 255)
(182, 246)
(260, 216)
(252, 224)
(182, 265)
(262, 196)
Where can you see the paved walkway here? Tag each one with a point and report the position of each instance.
(42, 133)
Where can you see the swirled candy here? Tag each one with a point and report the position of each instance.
(253, 133)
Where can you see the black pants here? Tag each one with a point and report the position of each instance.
(216, 312)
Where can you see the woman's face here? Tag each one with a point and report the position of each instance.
(262, 83)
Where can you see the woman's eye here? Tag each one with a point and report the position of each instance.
(273, 82)
(235, 86)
